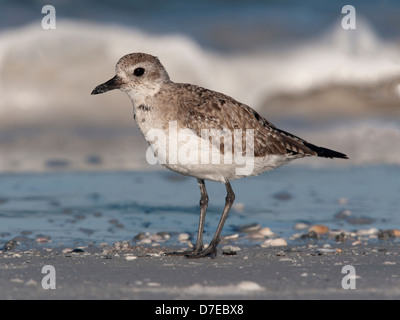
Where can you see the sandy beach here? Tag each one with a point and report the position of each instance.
(283, 240)
(77, 194)
(295, 272)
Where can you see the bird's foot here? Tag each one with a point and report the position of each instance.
(185, 253)
(179, 253)
(210, 251)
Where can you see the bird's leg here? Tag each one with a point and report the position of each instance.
(212, 248)
(203, 209)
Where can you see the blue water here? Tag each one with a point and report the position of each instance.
(222, 25)
(82, 208)
(77, 208)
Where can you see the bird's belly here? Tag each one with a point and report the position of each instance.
(228, 172)
(192, 156)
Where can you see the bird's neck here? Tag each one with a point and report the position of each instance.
(145, 109)
(143, 95)
(147, 117)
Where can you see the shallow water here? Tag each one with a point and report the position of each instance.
(77, 208)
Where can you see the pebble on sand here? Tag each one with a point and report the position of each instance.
(121, 246)
(17, 280)
(261, 233)
(274, 243)
(340, 237)
(388, 234)
(130, 258)
(161, 236)
(310, 235)
(153, 284)
(319, 229)
(9, 245)
(148, 238)
(266, 232)
(301, 226)
(183, 237)
(249, 286)
(367, 232)
(230, 250)
(145, 241)
(141, 236)
(43, 239)
(31, 283)
(230, 236)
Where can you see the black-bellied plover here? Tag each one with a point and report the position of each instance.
(215, 126)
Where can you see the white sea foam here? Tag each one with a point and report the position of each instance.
(47, 77)
(49, 74)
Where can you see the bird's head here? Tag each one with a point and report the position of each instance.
(138, 74)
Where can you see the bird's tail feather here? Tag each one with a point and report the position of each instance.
(324, 152)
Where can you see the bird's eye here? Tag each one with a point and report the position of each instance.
(138, 72)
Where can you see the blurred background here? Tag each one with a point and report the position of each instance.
(290, 60)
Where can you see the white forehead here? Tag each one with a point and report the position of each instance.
(128, 63)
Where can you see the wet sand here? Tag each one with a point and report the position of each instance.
(294, 272)
(105, 234)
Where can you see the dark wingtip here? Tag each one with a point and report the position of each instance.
(326, 153)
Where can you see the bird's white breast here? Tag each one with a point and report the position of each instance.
(183, 151)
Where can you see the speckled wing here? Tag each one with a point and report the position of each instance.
(201, 108)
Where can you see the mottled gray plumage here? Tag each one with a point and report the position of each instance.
(158, 102)
(198, 108)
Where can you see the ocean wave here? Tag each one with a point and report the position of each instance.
(47, 75)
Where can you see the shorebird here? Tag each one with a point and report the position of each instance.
(159, 102)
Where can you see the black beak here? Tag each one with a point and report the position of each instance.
(114, 83)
